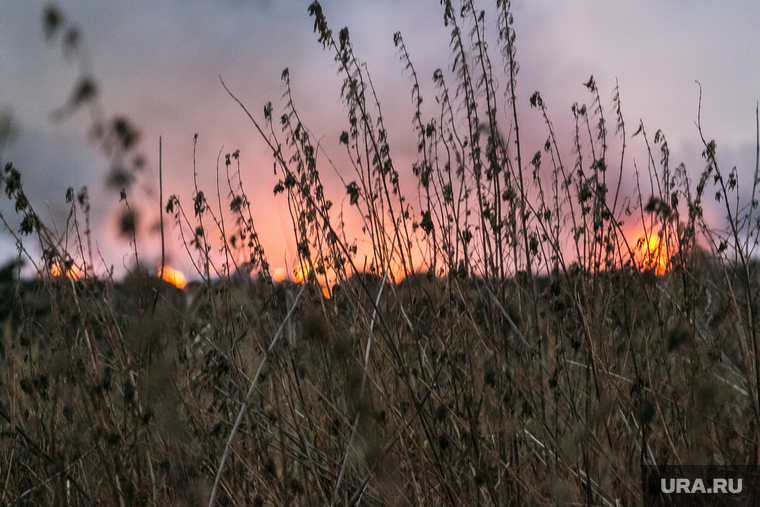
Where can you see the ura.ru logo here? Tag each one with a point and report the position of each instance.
(698, 486)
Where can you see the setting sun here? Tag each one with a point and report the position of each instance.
(72, 272)
(279, 275)
(301, 273)
(173, 276)
(651, 253)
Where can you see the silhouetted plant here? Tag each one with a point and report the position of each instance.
(531, 354)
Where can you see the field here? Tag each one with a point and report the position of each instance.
(506, 344)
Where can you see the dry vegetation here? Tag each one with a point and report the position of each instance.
(526, 357)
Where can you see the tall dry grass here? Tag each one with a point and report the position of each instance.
(529, 354)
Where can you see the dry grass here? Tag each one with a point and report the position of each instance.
(533, 360)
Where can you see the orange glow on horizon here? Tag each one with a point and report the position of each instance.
(56, 271)
(173, 276)
(652, 254)
(300, 273)
(279, 275)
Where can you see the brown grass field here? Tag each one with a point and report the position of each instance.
(504, 344)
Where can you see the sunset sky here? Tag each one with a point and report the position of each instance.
(159, 63)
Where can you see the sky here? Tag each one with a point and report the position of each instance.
(159, 63)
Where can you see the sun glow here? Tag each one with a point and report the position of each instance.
(301, 274)
(279, 275)
(651, 253)
(57, 271)
(173, 276)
